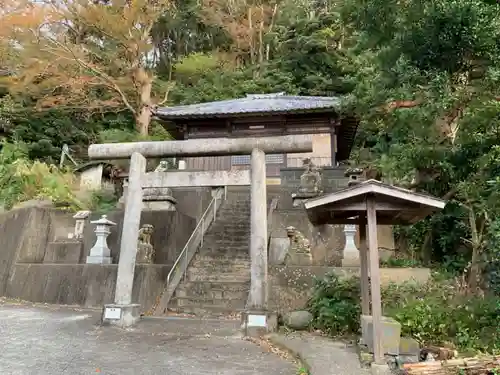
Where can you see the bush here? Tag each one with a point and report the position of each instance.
(440, 312)
(335, 305)
(433, 313)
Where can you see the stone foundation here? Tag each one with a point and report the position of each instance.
(391, 334)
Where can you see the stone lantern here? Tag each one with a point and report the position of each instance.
(351, 253)
(100, 253)
(354, 175)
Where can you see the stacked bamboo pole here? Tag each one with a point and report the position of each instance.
(462, 366)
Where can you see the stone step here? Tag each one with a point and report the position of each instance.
(221, 257)
(214, 290)
(210, 303)
(222, 268)
(227, 240)
(223, 263)
(207, 311)
(230, 230)
(223, 254)
(232, 223)
(211, 275)
(236, 220)
(237, 240)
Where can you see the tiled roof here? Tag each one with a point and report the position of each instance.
(251, 104)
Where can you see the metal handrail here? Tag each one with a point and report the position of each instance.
(185, 250)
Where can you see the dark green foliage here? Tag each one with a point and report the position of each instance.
(335, 305)
(440, 312)
(46, 132)
(434, 313)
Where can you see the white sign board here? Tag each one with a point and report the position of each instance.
(256, 321)
(112, 313)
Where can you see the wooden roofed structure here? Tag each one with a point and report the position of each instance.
(264, 115)
(368, 204)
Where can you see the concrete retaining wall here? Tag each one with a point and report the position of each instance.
(27, 233)
(89, 285)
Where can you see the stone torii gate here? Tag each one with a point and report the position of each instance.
(125, 313)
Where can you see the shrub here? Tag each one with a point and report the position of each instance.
(440, 312)
(335, 305)
(434, 313)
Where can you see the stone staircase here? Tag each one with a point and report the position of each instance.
(217, 281)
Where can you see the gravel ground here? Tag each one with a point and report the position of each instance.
(61, 340)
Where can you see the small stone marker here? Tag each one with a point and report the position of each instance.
(100, 253)
(80, 217)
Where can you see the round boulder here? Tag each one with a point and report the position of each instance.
(298, 320)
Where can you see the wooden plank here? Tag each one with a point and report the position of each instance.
(201, 178)
(379, 206)
(375, 280)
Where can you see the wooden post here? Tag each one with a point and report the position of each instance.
(365, 284)
(371, 214)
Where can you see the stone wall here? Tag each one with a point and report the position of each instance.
(332, 178)
(290, 287)
(327, 242)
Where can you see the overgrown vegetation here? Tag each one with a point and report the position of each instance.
(439, 312)
(22, 179)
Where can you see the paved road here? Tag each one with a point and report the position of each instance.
(54, 340)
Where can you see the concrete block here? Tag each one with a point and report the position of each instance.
(121, 315)
(391, 334)
(409, 346)
(258, 323)
(68, 252)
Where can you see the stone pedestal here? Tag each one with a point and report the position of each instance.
(299, 198)
(145, 253)
(391, 334)
(159, 199)
(121, 315)
(351, 253)
(258, 323)
(154, 199)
